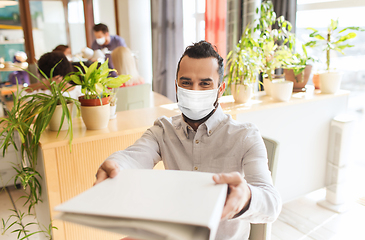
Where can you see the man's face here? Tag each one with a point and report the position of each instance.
(199, 74)
(100, 34)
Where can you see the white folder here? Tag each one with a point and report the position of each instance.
(151, 204)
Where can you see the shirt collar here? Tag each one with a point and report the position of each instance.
(211, 124)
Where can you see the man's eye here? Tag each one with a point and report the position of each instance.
(185, 83)
(205, 83)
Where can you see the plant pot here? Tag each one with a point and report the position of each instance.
(315, 80)
(267, 86)
(95, 117)
(330, 82)
(242, 93)
(112, 112)
(55, 121)
(299, 80)
(281, 90)
(93, 102)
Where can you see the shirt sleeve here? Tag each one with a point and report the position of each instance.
(121, 41)
(94, 46)
(143, 154)
(265, 205)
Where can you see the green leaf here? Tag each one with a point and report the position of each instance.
(346, 37)
(313, 29)
(334, 24)
(318, 36)
(75, 79)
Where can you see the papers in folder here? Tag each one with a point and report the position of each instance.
(151, 204)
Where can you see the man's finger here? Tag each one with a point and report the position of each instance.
(106, 170)
(233, 178)
(232, 206)
(111, 168)
(101, 175)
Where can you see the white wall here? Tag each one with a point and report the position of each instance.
(104, 12)
(135, 28)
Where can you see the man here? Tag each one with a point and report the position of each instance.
(205, 139)
(106, 42)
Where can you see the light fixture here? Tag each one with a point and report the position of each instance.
(4, 3)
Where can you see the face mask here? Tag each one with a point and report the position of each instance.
(69, 58)
(100, 41)
(196, 104)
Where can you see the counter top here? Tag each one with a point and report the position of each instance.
(141, 119)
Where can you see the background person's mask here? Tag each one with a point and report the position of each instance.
(100, 41)
(196, 104)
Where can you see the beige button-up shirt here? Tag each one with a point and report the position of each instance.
(220, 145)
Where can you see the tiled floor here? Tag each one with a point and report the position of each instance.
(301, 219)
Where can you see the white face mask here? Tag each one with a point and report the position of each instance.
(100, 41)
(196, 104)
(69, 58)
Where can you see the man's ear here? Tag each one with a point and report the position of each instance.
(222, 88)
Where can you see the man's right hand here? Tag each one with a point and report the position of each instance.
(108, 169)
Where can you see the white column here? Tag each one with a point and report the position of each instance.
(135, 28)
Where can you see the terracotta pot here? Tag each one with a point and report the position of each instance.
(241, 93)
(54, 123)
(299, 80)
(93, 102)
(96, 117)
(315, 80)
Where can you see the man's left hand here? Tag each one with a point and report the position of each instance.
(239, 194)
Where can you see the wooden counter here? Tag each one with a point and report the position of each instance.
(68, 173)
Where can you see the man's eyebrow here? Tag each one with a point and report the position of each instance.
(206, 80)
(185, 78)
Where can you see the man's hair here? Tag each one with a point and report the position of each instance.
(60, 48)
(101, 27)
(49, 60)
(203, 49)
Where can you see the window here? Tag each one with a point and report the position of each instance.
(194, 21)
(318, 14)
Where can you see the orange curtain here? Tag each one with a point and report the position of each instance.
(215, 24)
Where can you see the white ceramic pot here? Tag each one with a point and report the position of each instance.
(241, 93)
(281, 90)
(112, 112)
(55, 121)
(96, 117)
(267, 86)
(330, 81)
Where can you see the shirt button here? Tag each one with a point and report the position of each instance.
(195, 168)
(196, 141)
(210, 132)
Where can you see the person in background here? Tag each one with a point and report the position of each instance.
(125, 63)
(65, 49)
(203, 138)
(45, 63)
(20, 77)
(106, 42)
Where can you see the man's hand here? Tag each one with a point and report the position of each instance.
(108, 169)
(239, 194)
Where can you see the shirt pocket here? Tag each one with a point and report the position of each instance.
(226, 164)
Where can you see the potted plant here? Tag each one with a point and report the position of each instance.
(26, 121)
(299, 70)
(95, 84)
(243, 65)
(113, 103)
(275, 45)
(332, 40)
